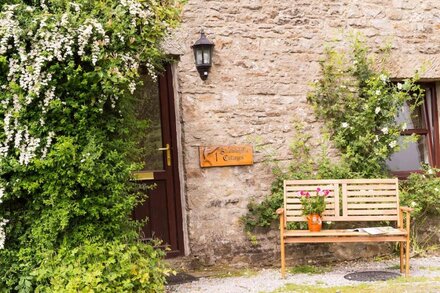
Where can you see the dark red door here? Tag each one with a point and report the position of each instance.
(160, 178)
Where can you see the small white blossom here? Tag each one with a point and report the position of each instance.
(383, 78)
(377, 110)
(377, 92)
(399, 86)
(3, 223)
(344, 125)
(385, 130)
(132, 87)
(393, 144)
(413, 204)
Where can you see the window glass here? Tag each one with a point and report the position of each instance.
(148, 111)
(415, 120)
(409, 157)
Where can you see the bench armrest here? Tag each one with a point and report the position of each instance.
(406, 209)
(280, 211)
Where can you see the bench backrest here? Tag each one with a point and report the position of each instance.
(348, 200)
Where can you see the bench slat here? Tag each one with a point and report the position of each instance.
(371, 192)
(368, 206)
(372, 187)
(337, 232)
(372, 212)
(347, 239)
(372, 199)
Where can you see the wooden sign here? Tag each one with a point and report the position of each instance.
(216, 156)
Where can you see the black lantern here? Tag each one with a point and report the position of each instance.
(203, 55)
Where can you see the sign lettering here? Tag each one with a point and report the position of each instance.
(216, 156)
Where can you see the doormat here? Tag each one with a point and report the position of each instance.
(180, 278)
(371, 276)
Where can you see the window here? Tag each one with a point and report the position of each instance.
(424, 122)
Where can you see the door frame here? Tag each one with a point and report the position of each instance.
(167, 78)
(167, 83)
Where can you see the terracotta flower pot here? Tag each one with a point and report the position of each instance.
(314, 222)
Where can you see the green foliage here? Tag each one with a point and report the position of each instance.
(421, 191)
(359, 107)
(67, 75)
(102, 267)
(302, 166)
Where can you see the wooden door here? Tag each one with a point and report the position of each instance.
(160, 177)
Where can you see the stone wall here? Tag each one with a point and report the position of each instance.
(266, 55)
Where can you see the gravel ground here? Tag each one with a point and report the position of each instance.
(269, 279)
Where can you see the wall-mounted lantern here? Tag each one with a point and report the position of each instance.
(203, 55)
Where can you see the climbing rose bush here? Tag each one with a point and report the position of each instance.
(68, 70)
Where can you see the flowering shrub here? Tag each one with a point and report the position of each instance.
(358, 103)
(421, 191)
(359, 106)
(313, 204)
(68, 70)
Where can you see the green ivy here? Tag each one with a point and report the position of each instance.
(358, 104)
(67, 130)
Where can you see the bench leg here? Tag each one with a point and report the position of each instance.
(401, 256)
(407, 259)
(283, 258)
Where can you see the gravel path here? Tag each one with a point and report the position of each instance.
(269, 279)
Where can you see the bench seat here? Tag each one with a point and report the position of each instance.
(339, 236)
(349, 200)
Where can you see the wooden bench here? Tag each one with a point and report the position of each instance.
(352, 200)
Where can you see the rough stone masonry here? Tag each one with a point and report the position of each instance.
(266, 55)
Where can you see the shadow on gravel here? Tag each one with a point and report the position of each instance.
(180, 278)
(371, 276)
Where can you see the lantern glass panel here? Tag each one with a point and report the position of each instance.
(206, 56)
(199, 56)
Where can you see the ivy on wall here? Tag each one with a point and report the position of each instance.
(68, 70)
(358, 105)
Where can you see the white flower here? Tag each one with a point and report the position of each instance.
(132, 87)
(377, 92)
(430, 171)
(377, 110)
(383, 78)
(399, 86)
(393, 144)
(3, 223)
(344, 125)
(376, 138)
(385, 130)
(413, 204)
(404, 126)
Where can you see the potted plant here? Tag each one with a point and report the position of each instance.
(313, 207)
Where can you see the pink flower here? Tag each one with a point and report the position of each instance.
(304, 193)
(326, 192)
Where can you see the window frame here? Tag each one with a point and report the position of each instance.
(432, 136)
